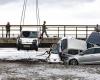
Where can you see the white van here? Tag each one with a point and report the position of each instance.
(67, 46)
(28, 40)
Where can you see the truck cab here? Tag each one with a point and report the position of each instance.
(28, 40)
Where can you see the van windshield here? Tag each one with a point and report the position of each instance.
(29, 34)
(54, 48)
(73, 51)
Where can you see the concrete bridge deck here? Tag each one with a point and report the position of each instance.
(44, 40)
(11, 42)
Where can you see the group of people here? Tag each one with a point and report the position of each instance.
(41, 36)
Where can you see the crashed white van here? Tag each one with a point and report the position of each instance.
(66, 46)
(28, 39)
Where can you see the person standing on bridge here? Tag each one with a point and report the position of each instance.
(8, 30)
(44, 29)
(97, 28)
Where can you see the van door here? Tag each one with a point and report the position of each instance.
(63, 44)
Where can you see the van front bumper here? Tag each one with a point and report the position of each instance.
(27, 46)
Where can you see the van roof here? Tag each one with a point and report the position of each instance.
(67, 37)
(70, 38)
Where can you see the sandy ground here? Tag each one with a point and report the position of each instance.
(42, 70)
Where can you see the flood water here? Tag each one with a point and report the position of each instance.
(28, 70)
(45, 71)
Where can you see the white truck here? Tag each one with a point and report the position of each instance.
(66, 46)
(28, 39)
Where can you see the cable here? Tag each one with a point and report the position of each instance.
(23, 14)
(38, 17)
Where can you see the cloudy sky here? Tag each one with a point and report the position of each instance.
(55, 12)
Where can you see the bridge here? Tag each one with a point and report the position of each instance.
(55, 32)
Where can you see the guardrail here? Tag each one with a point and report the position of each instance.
(77, 31)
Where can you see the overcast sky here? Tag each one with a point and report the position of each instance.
(52, 11)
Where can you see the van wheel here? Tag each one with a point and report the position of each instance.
(73, 62)
(18, 48)
(36, 49)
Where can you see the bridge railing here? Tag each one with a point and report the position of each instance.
(77, 31)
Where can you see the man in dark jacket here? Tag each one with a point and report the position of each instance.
(97, 28)
(44, 29)
(8, 30)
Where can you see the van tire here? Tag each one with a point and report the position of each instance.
(18, 47)
(36, 48)
(73, 62)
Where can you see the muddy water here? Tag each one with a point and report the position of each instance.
(45, 71)
(24, 70)
(34, 71)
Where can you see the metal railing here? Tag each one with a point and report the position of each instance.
(77, 31)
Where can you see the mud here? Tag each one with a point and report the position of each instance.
(24, 69)
(34, 71)
(45, 71)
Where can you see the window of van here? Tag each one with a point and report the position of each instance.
(89, 51)
(97, 50)
(34, 35)
(89, 45)
(64, 44)
(73, 52)
(55, 49)
(29, 34)
(25, 34)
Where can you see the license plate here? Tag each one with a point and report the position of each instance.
(26, 45)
